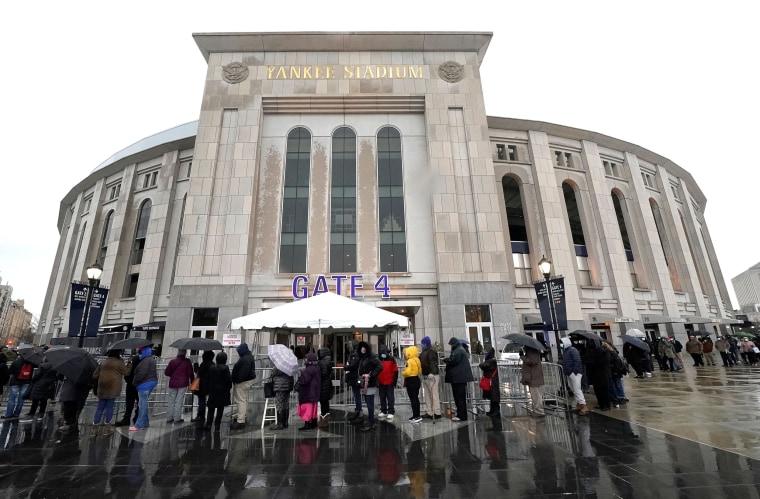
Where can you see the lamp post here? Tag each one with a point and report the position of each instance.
(94, 272)
(545, 267)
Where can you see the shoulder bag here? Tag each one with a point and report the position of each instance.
(485, 381)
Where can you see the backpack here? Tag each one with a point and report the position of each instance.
(25, 372)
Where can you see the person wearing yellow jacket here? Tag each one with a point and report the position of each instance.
(411, 374)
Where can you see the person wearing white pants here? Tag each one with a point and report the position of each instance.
(429, 361)
(572, 365)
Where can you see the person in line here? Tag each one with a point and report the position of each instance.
(108, 375)
(201, 373)
(694, 348)
(181, 374)
(733, 348)
(678, 347)
(43, 386)
(352, 379)
(617, 371)
(635, 358)
(668, 352)
(243, 374)
(218, 387)
(572, 366)
(490, 370)
(429, 362)
(707, 350)
(748, 349)
(411, 374)
(598, 367)
(722, 346)
(145, 380)
(325, 364)
(130, 403)
(19, 383)
(386, 384)
(368, 370)
(72, 397)
(533, 378)
(282, 384)
(458, 374)
(309, 387)
(4, 374)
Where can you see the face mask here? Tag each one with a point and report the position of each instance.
(383, 356)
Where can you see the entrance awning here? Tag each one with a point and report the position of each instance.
(121, 327)
(660, 319)
(151, 326)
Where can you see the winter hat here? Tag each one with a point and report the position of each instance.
(243, 349)
(311, 357)
(566, 343)
(181, 351)
(221, 358)
(426, 341)
(453, 341)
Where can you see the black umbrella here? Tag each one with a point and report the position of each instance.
(73, 362)
(525, 340)
(581, 333)
(197, 344)
(30, 354)
(637, 342)
(129, 343)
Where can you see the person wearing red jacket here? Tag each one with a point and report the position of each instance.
(386, 384)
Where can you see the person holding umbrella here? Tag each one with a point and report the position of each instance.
(533, 378)
(572, 365)
(145, 380)
(202, 373)
(285, 364)
(309, 388)
(43, 388)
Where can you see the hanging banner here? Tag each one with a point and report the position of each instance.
(97, 304)
(406, 338)
(560, 305)
(76, 307)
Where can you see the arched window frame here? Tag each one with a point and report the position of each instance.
(105, 236)
(343, 226)
(391, 213)
(575, 224)
(294, 226)
(518, 232)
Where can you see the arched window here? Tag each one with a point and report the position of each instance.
(179, 236)
(618, 203)
(295, 202)
(141, 232)
(518, 230)
(390, 188)
(343, 201)
(663, 236)
(576, 230)
(105, 237)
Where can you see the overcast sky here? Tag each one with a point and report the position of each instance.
(678, 78)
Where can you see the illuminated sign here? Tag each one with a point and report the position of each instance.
(351, 283)
(348, 72)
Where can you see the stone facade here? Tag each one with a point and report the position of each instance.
(214, 234)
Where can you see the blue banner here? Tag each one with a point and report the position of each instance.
(558, 298)
(97, 304)
(76, 307)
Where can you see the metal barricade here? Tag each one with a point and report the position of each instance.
(555, 385)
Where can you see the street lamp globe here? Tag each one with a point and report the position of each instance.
(545, 266)
(94, 272)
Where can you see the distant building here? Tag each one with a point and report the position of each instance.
(17, 324)
(747, 289)
(6, 293)
(366, 163)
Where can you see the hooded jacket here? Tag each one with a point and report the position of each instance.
(490, 369)
(43, 382)
(180, 372)
(532, 373)
(428, 359)
(219, 382)
(109, 375)
(413, 366)
(145, 375)
(203, 370)
(368, 364)
(245, 368)
(389, 374)
(571, 359)
(457, 364)
(310, 381)
(352, 366)
(325, 364)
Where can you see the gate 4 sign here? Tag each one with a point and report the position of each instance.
(232, 339)
(302, 288)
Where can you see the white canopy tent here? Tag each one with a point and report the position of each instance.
(325, 310)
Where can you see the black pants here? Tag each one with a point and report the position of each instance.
(69, 409)
(210, 416)
(413, 390)
(602, 396)
(727, 361)
(42, 403)
(459, 390)
(130, 402)
(324, 406)
(697, 359)
(202, 406)
(387, 399)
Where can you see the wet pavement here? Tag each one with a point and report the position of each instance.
(562, 455)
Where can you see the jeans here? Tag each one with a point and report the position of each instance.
(142, 410)
(176, 399)
(104, 405)
(16, 400)
(357, 397)
(618, 390)
(387, 399)
(370, 400)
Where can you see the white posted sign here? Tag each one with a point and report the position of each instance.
(232, 339)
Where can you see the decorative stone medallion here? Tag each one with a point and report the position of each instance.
(235, 72)
(451, 71)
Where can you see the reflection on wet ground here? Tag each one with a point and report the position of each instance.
(563, 455)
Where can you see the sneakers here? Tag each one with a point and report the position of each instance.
(415, 420)
(389, 417)
(179, 421)
(455, 419)
(237, 426)
(134, 428)
(381, 415)
(437, 416)
(27, 419)
(427, 416)
(170, 421)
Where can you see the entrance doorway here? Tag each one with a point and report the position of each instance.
(479, 327)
